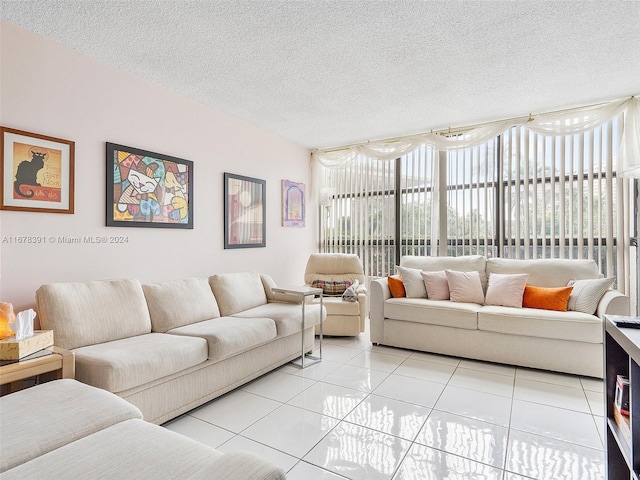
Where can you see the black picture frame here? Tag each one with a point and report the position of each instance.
(245, 207)
(148, 189)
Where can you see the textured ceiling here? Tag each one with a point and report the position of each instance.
(329, 73)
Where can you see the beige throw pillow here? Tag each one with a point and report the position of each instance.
(237, 291)
(465, 287)
(412, 281)
(436, 285)
(506, 290)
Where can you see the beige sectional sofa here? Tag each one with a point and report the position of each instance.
(170, 347)
(66, 429)
(569, 341)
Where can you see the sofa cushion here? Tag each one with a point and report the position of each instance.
(531, 322)
(465, 287)
(180, 302)
(433, 312)
(133, 361)
(94, 312)
(228, 336)
(333, 267)
(236, 292)
(586, 294)
(546, 272)
(36, 420)
(506, 290)
(288, 316)
(338, 306)
(436, 285)
(412, 281)
(546, 298)
(464, 263)
(130, 449)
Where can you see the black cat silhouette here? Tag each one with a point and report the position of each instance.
(27, 173)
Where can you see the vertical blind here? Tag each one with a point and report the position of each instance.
(361, 218)
(520, 195)
(418, 202)
(471, 200)
(563, 198)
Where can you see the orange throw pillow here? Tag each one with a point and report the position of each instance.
(396, 286)
(556, 298)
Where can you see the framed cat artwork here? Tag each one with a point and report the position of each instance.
(147, 189)
(37, 172)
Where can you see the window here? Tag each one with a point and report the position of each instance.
(361, 218)
(520, 195)
(562, 198)
(471, 200)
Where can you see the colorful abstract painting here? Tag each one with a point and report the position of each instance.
(146, 189)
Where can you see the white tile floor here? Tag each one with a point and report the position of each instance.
(369, 412)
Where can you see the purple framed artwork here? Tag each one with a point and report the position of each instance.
(293, 204)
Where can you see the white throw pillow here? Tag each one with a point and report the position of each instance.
(412, 281)
(506, 290)
(436, 285)
(586, 294)
(465, 287)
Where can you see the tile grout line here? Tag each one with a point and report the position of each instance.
(509, 428)
(459, 366)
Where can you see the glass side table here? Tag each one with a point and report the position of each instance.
(306, 359)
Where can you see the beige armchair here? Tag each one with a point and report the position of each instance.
(343, 318)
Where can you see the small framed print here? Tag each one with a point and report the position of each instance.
(293, 204)
(245, 217)
(147, 189)
(37, 172)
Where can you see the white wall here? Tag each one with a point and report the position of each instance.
(52, 90)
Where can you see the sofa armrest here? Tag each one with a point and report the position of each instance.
(378, 294)
(362, 305)
(239, 465)
(269, 284)
(613, 303)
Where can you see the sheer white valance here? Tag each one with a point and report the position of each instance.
(630, 144)
(557, 123)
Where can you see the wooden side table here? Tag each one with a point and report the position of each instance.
(59, 361)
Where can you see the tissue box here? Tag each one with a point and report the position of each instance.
(12, 349)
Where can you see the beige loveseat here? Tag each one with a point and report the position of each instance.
(66, 429)
(170, 347)
(569, 341)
